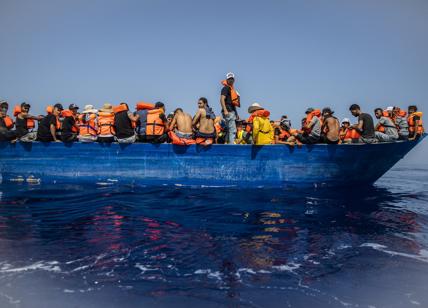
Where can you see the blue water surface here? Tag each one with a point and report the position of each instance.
(127, 246)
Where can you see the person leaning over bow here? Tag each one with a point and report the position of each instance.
(365, 126)
(6, 124)
(230, 100)
(262, 128)
(399, 118)
(414, 119)
(70, 128)
(48, 126)
(386, 131)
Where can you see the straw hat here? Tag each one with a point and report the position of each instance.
(89, 109)
(107, 108)
(254, 107)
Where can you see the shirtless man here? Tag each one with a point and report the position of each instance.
(330, 127)
(181, 124)
(203, 121)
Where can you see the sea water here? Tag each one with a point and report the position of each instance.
(107, 245)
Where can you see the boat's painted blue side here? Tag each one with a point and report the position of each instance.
(224, 165)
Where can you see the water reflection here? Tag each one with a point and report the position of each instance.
(215, 245)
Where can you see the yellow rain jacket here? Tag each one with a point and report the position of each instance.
(263, 132)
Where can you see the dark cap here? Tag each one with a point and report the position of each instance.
(25, 105)
(73, 106)
(4, 104)
(309, 110)
(327, 110)
(58, 106)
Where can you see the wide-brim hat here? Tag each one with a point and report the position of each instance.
(89, 109)
(254, 107)
(107, 108)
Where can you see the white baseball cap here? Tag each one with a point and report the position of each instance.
(390, 108)
(230, 75)
(346, 120)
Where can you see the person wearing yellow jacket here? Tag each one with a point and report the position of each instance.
(263, 132)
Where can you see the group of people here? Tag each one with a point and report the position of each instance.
(150, 123)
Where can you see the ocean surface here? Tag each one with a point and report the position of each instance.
(128, 246)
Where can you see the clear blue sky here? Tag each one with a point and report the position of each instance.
(287, 55)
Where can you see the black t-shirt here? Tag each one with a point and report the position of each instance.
(227, 93)
(67, 125)
(368, 126)
(44, 130)
(277, 131)
(123, 125)
(21, 127)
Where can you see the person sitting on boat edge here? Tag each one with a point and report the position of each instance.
(124, 123)
(50, 124)
(6, 124)
(229, 102)
(156, 125)
(330, 127)
(365, 126)
(25, 123)
(142, 109)
(262, 131)
(311, 128)
(414, 119)
(386, 131)
(106, 129)
(241, 134)
(180, 129)
(348, 134)
(203, 123)
(284, 134)
(87, 122)
(400, 121)
(221, 130)
(70, 128)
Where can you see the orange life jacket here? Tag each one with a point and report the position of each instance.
(348, 133)
(144, 106)
(284, 135)
(106, 123)
(411, 121)
(87, 124)
(121, 108)
(204, 141)
(8, 122)
(180, 141)
(385, 114)
(233, 94)
(49, 110)
(68, 113)
(30, 122)
(309, 117)
(155, 125)
(258, 113)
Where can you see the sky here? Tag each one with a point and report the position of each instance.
(286, 55)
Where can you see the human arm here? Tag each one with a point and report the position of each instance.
(196, 118)
(173, 123)
(133, 117)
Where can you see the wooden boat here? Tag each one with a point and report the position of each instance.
(216, 165)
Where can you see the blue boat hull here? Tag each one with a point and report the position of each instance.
(217, 165)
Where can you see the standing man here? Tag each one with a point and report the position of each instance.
(365, 126)
(230, 100)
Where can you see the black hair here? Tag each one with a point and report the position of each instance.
(159, 105)
(4, 104)
(24, 104)
(178, 109)
(204, 100)
(354, 107)
(378, 109)
(413, 107)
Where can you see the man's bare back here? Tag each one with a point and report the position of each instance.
(182, 122)
(205, 125)
(332, 127)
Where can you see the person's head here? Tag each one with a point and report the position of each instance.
(178, 111)
(170, 117)
(230, 78)
(25, 107)
(327, 112)
(355, 110)
(202, 102)
(284, 117)
(160, 105)
(73, 108)
(346, 123)
(378, 113)
(239, 125)
(285, 124)
(4, 107)
(57, 108)
(412, 109)
(309, 110)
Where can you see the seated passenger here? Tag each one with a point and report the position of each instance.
(416, 127)
(88, 129)
(180, 130)
(365, 126)
(330, 127)
(262, 131)
(156, 129)
(106, 131)
(203, 122)
(311, 128)
(49, 125)
(221, 130)
(284, 134)
(399, 117)
(6, 124)
(348, 134)
(124, 123)
(141, 124)
(25, 123)
(240, 133)
(70, 128)
(385, 128)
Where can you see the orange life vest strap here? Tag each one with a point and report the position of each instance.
(233, 94)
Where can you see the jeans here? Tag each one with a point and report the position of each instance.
(384, 137)
(231, 127)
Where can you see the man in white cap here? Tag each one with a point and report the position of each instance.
(230, 100)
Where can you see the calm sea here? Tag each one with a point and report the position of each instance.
(124, 246)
